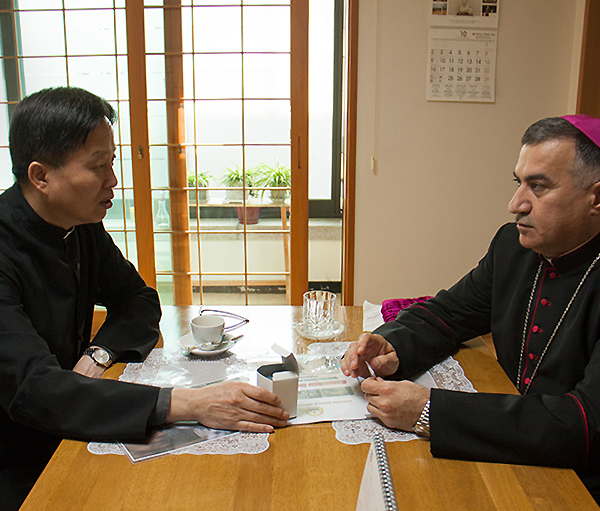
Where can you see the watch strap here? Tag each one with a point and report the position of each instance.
(421, 428)
(91, 351)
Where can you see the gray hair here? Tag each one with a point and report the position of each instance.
(586, 166)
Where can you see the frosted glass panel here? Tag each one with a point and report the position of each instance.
(218, 76)
(266, 76)
(155, 73)
(6, 175)
(267, 29)
(42, 33)
(157, 122)
(96, 74)
(267, 122)
(217, 29)
(40, 4)
(154, 24)
(90, 32)
(219, 122)
(43, 72)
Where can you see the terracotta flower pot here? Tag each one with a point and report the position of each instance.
(252, 215)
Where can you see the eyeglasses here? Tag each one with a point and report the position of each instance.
(214, 312)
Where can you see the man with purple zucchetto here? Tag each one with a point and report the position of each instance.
(537, 290)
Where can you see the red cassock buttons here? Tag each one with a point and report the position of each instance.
(526, 380)
(544, 301)
(553, 275)
(535, 328)
(531, 356)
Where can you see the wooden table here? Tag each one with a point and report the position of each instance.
(305, 467)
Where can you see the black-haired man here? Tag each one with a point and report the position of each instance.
(56, 263)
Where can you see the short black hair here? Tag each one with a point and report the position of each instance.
(586, 169)
(50, 125)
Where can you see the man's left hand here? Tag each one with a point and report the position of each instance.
(398, 404)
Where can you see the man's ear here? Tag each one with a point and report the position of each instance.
(38, 173)
(596, 197)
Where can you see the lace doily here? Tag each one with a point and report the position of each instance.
(239, 443)
(448, 374)
(145, 373)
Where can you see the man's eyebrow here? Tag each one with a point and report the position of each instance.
(533, 177)
(102, 152)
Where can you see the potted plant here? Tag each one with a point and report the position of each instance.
(273, 176)
(199, 180)
(234, 178)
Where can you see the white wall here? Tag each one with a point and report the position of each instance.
(443, 171)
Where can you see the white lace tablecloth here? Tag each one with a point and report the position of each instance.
(448, 374)
(145, 373)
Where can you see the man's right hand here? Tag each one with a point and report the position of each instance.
(229, 405)
(373, 349)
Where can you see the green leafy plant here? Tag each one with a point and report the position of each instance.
(201, 179)
(234, 177)
(276, 175)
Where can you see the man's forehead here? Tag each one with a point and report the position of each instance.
(545, 161)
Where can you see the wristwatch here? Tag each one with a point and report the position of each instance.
(101, 356)
(421, 428)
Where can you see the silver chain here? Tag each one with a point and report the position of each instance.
(555, 329)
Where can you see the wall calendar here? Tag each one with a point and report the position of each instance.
(462, 51)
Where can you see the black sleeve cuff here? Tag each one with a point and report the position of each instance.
(158, 417)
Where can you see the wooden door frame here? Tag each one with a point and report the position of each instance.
(348, 218)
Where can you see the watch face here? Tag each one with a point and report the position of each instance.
(101, 356)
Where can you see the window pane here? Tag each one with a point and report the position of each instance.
(157, 122)
(267, 29)
(121, 32)
(42, 33)
(321, 94)
(155, 73)
(4, 123)
(123, 78)
(154, 26)
(40, 73)
(162, 250)
(114, 218)
(90, 32)
(215, 160)
(267, 122)
(217, 29)
(159, 167)
(96, 74)
(6, 176)
(269, 155)
(132, 247)
(218, 76)
(83, 4)
(40, 4)
(223, 252)
(124, 123)
(265, 251)
(266, 76)
(219, 122)
(126, 167)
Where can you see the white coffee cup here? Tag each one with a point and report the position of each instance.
(208, 331)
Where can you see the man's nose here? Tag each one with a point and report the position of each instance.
(519, 203)
(111, 180)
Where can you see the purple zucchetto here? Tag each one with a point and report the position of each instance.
(587, 124)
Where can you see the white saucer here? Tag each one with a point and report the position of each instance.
(338, 328)
(187, 342)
